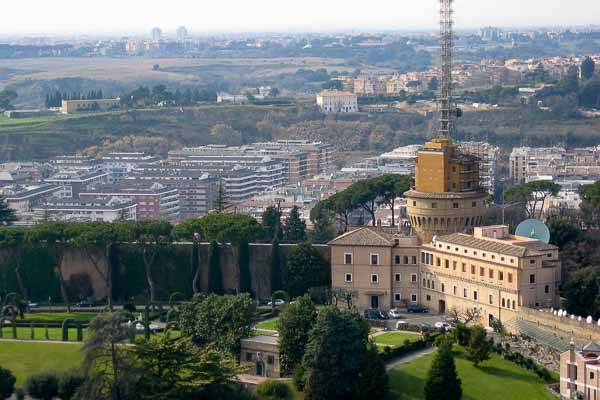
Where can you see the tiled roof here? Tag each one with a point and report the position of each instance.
(365, 236)
(490, 245)
(591, 347)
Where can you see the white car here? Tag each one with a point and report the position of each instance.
(278, 302)
(443, 325)
(395, 314)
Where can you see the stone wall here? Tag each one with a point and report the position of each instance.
(580, 330)
(171, 270)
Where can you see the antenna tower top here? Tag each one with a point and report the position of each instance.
(447, 112)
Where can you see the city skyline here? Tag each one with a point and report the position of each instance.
(270, 16)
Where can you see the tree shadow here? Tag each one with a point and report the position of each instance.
(495, 371)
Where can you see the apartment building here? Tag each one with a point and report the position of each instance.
(379, 269)
(335, 101)
(580, 372)
(75, 106)
(491, 270)
(23, 200)
(197, 190)
(73, 182)
(76, 210)
(320, 157)
(154, 201)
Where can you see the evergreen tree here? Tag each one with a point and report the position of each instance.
(244, 267)
(215, 278)
(479, 346)
(220, 203)
(335, 354)
(443, 382)
(271, 221)
(7, 214)
(276, 281)
(323, 226)
(295, 227)
(372, 382)
(294, 325)
(588, 68)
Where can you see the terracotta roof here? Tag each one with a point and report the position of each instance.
(490, 245)
(365, 236)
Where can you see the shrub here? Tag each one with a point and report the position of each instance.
(43, 386)
(7, 383)
(273, 390)
(68, 384)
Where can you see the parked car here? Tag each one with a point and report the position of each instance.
(395, 313)
(425, 325)
(417, 309)
(401, 325)
(32, 305)
(375, 314)
(443, 326)
(278, 302)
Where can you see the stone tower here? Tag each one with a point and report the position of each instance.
(447, 197)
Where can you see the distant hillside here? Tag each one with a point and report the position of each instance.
(159, 130)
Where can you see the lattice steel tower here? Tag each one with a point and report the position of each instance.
(447, 112)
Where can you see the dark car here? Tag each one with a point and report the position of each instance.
(417, 309)
(374, 314)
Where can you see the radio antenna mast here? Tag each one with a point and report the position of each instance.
(447, 112)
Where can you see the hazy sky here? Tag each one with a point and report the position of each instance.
(135, 16)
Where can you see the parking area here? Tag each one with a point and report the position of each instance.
(415, 319)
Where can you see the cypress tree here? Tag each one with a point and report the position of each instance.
(443, 382)
(215, 278)
(276, 283)
(295, 227)
(244, 266)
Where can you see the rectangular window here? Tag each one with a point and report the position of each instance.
(374, 259)
(454, 205)
(443, 288)
(348, 258)
(491, 299)
(475, 295)
(374, 278)
(348, 278)
(398, 277)
(405, 260)
(454, 290)
(454, 265)
(464, 267)
(397, 260)
(447, 263)
(438, 262)
(433, 205)
(473, 269)
(509, 277)
(423, 258)
(465, 295)
(500, 275)
(432, 285)
(248, 356)
(414, 260)
(491, 273)
(270, 360)
(413, 298)
(397, 297)
(532, 278)
(481, 271)
(413, 277)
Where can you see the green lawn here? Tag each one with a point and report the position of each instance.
(24, 359)
(269, 325)
(396, 339)
(495, 379)
(40, 333)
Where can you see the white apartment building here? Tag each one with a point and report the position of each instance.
(335, 101)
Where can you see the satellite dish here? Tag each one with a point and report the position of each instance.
(534, 229)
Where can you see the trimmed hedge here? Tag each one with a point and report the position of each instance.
(390, 353)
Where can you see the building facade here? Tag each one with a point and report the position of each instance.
(335, 101)
(580, 372)
(75, 106)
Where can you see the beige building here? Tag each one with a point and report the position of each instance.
(74, 106)
(379, 269)
(335, 101)
(580, 372)
(491, 270)
(447, 196)
(262, 353)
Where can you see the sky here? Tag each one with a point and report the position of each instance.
(139, 16)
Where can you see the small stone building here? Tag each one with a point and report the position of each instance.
(262, 353)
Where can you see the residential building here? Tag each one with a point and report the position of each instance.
(490, 270)
(154, 201)
(335, 101)
(379, 269)
(580, 372)
(223, 97)
(488, 156)
(75, 106)
(76, 210)
(74, 182)
(24, 199)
